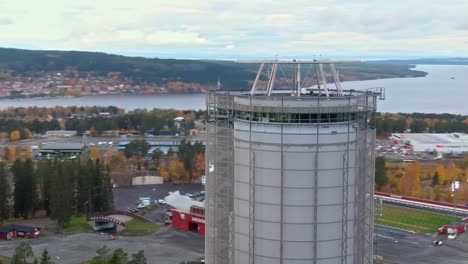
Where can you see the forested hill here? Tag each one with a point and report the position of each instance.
(139, 70)
(433, 61)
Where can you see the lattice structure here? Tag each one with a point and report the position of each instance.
(219, 180)
(290, 179)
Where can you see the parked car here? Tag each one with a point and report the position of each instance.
(162, 201)
(132, 210)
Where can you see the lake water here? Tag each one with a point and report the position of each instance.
(443, 90)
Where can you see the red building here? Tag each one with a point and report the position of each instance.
(186, 214)
(6, 233)
(189, 221)
(13, 230)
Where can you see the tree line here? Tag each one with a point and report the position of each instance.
(141, 121)
(185, 164)
(137, 121)
(420, 123)
(423, 180)
(60, 187)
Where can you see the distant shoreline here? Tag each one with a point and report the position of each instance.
(5, 99)
(87, 95)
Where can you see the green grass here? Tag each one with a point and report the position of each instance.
(77, 224)
(137, 227)
(415, 220)
(393, 161)
(5, 260)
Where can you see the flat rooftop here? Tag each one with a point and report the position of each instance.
(63, 146)
(445, 142)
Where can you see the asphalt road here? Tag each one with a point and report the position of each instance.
(95, 140)
(401, 247)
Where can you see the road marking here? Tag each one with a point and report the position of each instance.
(413, 242)
(384, 236)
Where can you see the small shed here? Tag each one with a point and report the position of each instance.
(25, 231)
(6, 233)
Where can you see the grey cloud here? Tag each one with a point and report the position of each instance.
(462, 26)
(5, 21)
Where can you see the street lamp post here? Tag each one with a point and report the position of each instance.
(85, 208)
(454, 187)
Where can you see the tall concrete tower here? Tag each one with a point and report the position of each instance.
(290, 170)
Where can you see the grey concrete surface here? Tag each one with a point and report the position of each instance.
(166, 246)
(408, 248)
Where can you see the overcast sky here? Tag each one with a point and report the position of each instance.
(239, 28)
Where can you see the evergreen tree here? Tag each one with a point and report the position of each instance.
(102, 256)
(45, 258)
(100, 186)
(61, 195)
(118, 257)
(43, 173)
(137, 147)
(380, 173)
(435, 179)
(85, 188)
(138, 258)
(25, 188)
(4, 192)
(22, 253)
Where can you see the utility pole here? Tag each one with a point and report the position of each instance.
(454, 187)
(378, 208)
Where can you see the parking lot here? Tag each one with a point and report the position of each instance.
(386, 148)
(127, 197)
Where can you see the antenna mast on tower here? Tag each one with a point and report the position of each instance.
(296, 80)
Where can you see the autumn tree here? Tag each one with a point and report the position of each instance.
(10, 153)
(92, 132)
(94, 153)
(15, 135)
(410, 183)
(453, 172)
(199, 167)
(442, 174)
(163, 171)
(119, 168)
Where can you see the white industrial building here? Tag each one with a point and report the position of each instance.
(441, 143)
